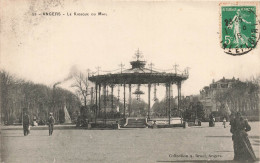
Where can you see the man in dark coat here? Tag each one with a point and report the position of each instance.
(51, 122)
(26, 123)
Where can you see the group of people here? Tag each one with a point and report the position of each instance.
(26, 124)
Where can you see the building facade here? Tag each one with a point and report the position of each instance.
(231, 93)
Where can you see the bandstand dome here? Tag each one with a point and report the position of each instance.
(138, 74)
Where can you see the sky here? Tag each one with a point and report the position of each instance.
(44, 49)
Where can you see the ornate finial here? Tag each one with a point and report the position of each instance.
(121, 66)
(175, 67)
(89, 72)
(98, 69)
(138, 92)
(138, 54)
(151, 66)
(187, 70)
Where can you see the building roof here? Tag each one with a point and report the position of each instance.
(223, 80)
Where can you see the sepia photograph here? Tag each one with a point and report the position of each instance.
(117, 81)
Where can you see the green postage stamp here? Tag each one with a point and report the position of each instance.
(239, 27)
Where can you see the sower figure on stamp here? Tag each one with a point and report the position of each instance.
(243, 150)
(240, 38)
(26, 123)
(51, 122)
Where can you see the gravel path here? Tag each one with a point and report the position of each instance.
(193, 144)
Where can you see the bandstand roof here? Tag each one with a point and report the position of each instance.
(138, 74)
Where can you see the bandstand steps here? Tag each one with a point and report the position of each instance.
(136, 123)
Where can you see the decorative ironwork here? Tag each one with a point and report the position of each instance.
(98, 69)
(151, 66)
(155, 90)
(118, 95)
(121, 67)
(138, 54)
(175, 67)
(138, 92)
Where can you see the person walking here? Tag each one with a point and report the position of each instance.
(26, 124)
(51, 122)
(243, 150)
(211, 120)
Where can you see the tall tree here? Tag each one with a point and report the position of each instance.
(82, 85)
(7, 82)
(17, 94)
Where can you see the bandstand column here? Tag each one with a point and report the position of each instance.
(149, 100)
(112, 96)
(130, 101)
(179, 95)
(99, 99)
(124, 100)
(169, 101)
(105, 101)
(96, 108)
(166, 100)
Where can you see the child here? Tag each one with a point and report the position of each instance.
(224, 122)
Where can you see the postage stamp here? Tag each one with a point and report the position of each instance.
(239, 26)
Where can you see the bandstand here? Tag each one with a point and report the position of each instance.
(138, 75)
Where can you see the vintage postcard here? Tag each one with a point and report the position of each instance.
(129, 81)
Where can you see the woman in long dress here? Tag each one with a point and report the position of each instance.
(243, 150)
